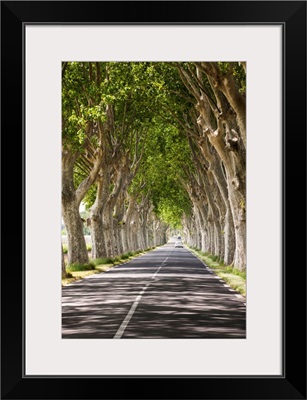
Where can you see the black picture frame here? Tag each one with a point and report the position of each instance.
(292, 16)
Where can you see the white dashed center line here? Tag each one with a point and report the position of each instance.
(126, 321)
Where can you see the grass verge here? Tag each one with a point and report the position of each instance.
(235, 279)
(76, 276)
(75, 272)
(80, 267)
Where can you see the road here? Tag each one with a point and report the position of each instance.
(166, 293)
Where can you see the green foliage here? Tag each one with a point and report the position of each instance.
(162, 170)
(233, 276)
(235, 271)
(80, 92)
(90, 197)
(237, 70)
(67, 275)
(240, 78)
(148, 100)
(224, 67)
(101, 261)
(124, 256)
(80, 267)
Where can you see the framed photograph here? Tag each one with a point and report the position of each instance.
(198, 69)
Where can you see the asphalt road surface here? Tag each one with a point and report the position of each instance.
(166, 293)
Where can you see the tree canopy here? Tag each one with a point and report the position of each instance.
(149, 146)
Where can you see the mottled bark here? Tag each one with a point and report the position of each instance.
(232, 157)
(225, 82)
(77, 252)
(222, 142)
(96, 223)
(143, 209)
(133, 232)
(118, 221)
(107, 220)
(128, 243)
(63, 262)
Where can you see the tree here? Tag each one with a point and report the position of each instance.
(219, 92)
(82, 130)
(151, 146)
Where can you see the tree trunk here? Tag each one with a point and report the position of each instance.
(236, 195)
(107, 219)
(119, 220)
(63, 262)
(127, 224)
(96, 223)
(223, 122)
(98, 241)
(124, 238)
(77, 251)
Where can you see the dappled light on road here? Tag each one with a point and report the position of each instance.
(183, 300)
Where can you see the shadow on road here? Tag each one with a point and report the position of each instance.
(182, 300)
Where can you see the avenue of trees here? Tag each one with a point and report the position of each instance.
(149, 146)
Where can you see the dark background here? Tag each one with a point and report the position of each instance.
(292, 385)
